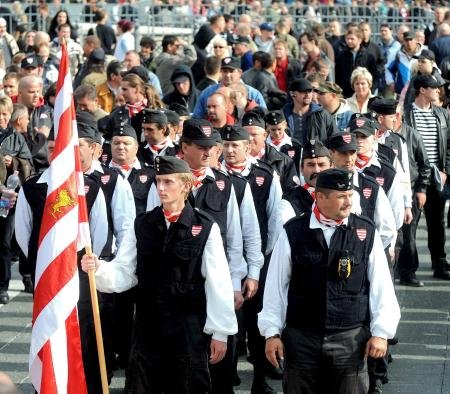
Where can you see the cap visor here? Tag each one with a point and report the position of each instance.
(364, 132)
(205, 142)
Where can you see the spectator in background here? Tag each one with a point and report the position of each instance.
(184, 91)
(441, 45)
(287, 68)
(125, 42)
(95, 70)
(43, 19)
(264, 40)
(20, 119)
(86, 100)
(148, 45)
(103, 31)
(61, 18)
(282, 33)
(212, 71)
(389, 47)
(431, 30)
(90, 43)
(175, 52)
(107, 91)
(74, 49)
(309, 43)
(133, 61)
(319, 30)
(361, 81)
(220, 48)
(241, 46)
(335, 37)
(49, 70)
(8, 44)
(11, 85)
(201, 41)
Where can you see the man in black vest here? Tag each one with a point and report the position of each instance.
(29, 215)
(266, 192)
(182, 313)
(155, 127)
(276, 127)
(283, 165)
(329, 300)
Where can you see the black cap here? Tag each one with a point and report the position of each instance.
(253, 119)
(274, 117)
(180, 109)
(362, 125)
(154, 116)
(235, 133)
(199, 132)
(342, 142)
(86, 125)
(313, 149)
(426, 54)
(172, 116)
(217, 136)
(408, 35)
(31, 61)
(425, 81)
(300, 85)
(165, 165)
(98, 138)
(266, 26)
(97, 55)
(140, 71)
(335, 179)
(125, 130)
(384, 106)
(241, 39)
(231, 62)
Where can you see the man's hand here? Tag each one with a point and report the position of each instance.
(238, 300)
(274, 349)
(218, 351)
(250, 288)
(7, 159)
(376, 347)
(45, 130)
(421, 199)
(89, 262)
(443, 178)
(408, 216)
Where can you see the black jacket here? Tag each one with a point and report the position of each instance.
(266, 83)
(14, 145)
(443, 127)
(176, 97)
(345, 64)
(419, 166)
(283, 165)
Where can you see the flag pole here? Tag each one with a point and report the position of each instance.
(97, 325)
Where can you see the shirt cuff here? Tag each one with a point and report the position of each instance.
(378, 332)
(271, 331)
(237, 284)
(253, 272)
(220, 337)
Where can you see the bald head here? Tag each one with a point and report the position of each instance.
(7, 386)
(443, 29)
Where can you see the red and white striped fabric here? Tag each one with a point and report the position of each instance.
(55, 362)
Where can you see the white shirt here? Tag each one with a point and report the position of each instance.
(238, 268)
(286, 140)
(383, 305)
(119, 275)
(98, 220)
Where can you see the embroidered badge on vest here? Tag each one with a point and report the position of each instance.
(143, 178)
(195, 230)
(220, 185)
(361, 233)
(380, 180)
(291, 153)
(259, 180)
(367, 192)
(105, 179)
(104, 158)
(86, 189)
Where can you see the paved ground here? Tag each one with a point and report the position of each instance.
(421, 359)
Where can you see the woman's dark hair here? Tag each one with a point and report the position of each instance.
(52, 30)
(51, 91)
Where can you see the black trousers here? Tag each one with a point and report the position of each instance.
(325, 364)
(434, 214)
(408, 258)
(222, 373)
(6, 253)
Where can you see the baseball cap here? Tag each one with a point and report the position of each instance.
(231, 62)
(31, 61)
(266, 26)
(300, 85)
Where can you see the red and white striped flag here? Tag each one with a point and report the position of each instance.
(56, 364)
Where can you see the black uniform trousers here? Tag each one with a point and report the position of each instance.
(408, 258)
(317, 363)
(6, 252)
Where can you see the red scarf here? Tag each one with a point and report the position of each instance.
(125, 167)
(324, 220)
(276, 142)
(171, 217)
(134, 109)
(362, 160)
(158, 147)
(311, 190)
(233, 168)
(199, 175)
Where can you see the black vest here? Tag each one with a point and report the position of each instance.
(395, 141)
(170, 283)
(318, 299)
(260, 179)
(148, 157)
(368, 192)
(300, 199)
(36, 195)
(294, 151)
(384, 175)
(282, 165)
(212, 197)
(107, 181)
(239, 184)
(386, 153)
(140, 181)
